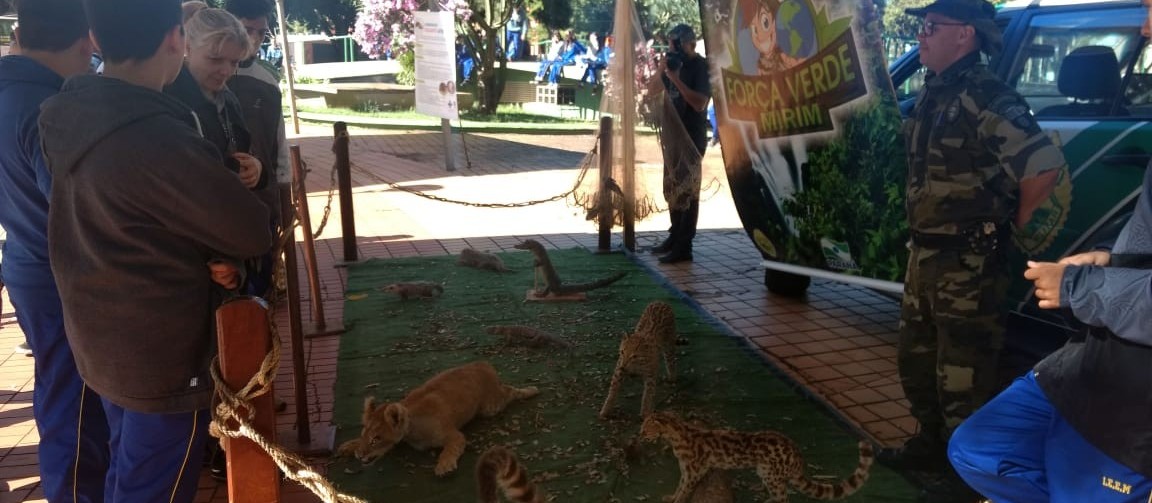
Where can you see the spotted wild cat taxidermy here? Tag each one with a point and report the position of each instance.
(775, 457)
(499, 469)
(481, 260)
(432, 414)
(640, 353)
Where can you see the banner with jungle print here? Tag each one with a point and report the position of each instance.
(810, 132)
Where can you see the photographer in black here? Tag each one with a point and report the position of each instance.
(684, 88)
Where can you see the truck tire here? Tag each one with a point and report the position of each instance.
(786, 283)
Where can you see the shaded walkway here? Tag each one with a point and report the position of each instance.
(839, 344)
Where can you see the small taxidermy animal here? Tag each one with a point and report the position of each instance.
(528, 336)
(499, 469)
(481, 260)
(553, 285)
(417, 289)
(640, 352)
(775, 457)
(432, 414)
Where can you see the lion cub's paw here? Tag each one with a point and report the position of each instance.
(348, 448)
(445, 467)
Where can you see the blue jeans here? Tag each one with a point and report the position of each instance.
(1017, 449)
(73, 447)
(592, 72)
(512, 47)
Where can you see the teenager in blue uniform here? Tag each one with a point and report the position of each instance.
(515, 30)
(73, 448)
(141, 203)
(572, 49)
(1078, 427)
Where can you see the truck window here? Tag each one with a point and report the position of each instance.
(1071, 65)
(1138, 88)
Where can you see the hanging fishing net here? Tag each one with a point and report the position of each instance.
(656, 165)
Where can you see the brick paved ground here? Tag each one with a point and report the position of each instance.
(838, 344)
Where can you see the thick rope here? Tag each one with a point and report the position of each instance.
(231, 403)
(229, 410)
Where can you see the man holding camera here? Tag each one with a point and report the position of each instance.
(685, 82)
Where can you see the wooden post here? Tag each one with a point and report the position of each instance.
(244, 339)
(605, 203)
(344, 173)
(319, 323)
(292, 278)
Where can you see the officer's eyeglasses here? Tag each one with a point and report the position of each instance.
(928, 28)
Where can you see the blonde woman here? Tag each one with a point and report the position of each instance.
(216, 44)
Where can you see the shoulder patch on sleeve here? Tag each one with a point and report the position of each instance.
(1015, 110)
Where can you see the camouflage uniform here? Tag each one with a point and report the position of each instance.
(970, 141)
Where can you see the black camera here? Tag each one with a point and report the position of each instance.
(674, 58)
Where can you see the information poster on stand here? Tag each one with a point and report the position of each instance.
(436, 65)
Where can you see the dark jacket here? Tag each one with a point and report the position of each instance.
(1102, 383)
(140, 203)
(256, 87)
(224, 129)
(694, 74)
(24, 180)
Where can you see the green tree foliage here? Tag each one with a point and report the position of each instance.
(897, 24)
(592, 16)
(551, 14)
(659, 16)
(330, 17)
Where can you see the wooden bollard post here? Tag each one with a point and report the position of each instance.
(344, 174)
(605, 203)
(243, 336)
(320, 325)
(292, 278)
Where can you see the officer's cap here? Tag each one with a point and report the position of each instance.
(967, 11)
(978, 13)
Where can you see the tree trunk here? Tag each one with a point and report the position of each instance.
(492, 79)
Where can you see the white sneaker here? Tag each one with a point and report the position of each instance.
(23, 349)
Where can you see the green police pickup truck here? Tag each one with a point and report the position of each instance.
(817, 176)
(1085, 70)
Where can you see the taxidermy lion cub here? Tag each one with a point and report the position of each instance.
(432, 415)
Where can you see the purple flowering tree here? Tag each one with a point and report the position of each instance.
(384, 25)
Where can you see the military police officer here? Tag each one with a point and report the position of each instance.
(978, 164)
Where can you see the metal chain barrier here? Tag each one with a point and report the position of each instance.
(584, 167)
(331, 193)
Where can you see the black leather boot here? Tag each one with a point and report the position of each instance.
(919, 453)
(664, 246)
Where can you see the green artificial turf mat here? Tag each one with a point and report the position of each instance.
(392, 346)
